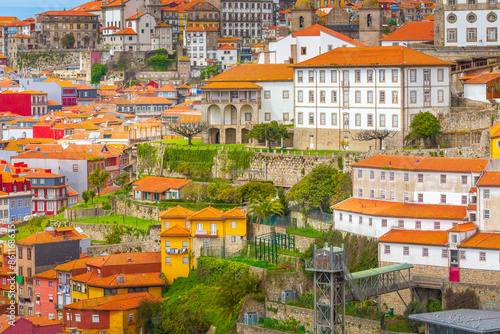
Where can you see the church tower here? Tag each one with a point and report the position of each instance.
(303, 15)
(370, 23)
(153, 7)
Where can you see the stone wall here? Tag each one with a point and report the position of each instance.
(277, 282)
(241, 328)
(130, 208)
(301, 243)
(72, 214)
(45, 58)
(489, 294)
(126, 247)
(99, 232)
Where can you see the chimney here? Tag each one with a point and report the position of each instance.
(389, 163)
(129, 260)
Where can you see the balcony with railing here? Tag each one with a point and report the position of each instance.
(64, 288)
(232, 97)
(205, 233)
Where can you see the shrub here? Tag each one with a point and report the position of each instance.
(434, 306)
(340, 162)
(106, 205)
(458, 300)
(414, 307)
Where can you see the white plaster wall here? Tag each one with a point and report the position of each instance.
(476, 92)
(461, 24)
(276, 105)
(472, 259)
(18, 133)
(415, 254)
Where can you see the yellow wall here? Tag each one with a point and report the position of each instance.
(494, 145)
(119, 324)
(176, 268)
(95, 292)
(241, 226)
(80, 295)
(172, 222)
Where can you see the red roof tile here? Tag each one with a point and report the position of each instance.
(175, 231)
(129, 280)
(176, 212)
(489, 179)
(482, 240)
(255, 73)
(124, 301)
(159, 184)
(413, 31)
(464, 227)
(483, 78)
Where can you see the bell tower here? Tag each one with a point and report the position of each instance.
(303, 15)
(370, 23)
(153, 7)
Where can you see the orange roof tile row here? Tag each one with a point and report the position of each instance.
(159, 184)
(431, 238)
(489, 179)
(372, 57)
(413, 31)
(483, 78)
(255, 73)
(231, 85)
(124, 301)
(403, 210)
(464, 227)
(206, 213)
(129, 281)
(125, 258)
(175, 231)
(459, 165)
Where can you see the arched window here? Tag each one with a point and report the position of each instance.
(369, 20)
(301, 22)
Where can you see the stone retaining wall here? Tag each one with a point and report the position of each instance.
(99, 232)
(241, 328)
(129, 208)
(126, 247)
(80, 213)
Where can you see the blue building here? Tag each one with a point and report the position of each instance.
(168, 92)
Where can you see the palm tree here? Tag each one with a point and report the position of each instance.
(261, 209)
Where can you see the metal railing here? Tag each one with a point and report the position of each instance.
(321, 216)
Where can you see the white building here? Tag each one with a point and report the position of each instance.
(198, 45)
(467, 22)
(304, 45)
(481, 87)
(346, 90)
(227, 55)
(243, 96)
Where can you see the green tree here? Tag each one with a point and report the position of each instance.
(252, 190)
(97, 73)
(322, 186)
(208, 72)
(283, 200)
(263, 208)
(88, 195)
(414, 307)
(98, 180)
(268, 131)
(147, 157)
(35, 224)
(147, 310)
(234, 287)
(424, 126)
(115, 235)
(122, 179)
(188, 130)
(393, 22)
(160, 62)
(68, 40)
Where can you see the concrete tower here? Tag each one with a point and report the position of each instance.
(153, 7)
(370, 23)
(303, 15)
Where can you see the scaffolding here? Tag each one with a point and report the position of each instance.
(266, 245)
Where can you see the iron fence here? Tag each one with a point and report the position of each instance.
(321, 216)
(285, 221)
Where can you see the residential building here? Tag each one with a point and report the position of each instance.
(92, 7)
(273, 33)
(29, 325)
(86, 95)
(162, 37)
(201, 13)
(3, 60)
(20, 43)
(24, 103)
(177, 18)
(45, 292)
(410, 32)
(61, 91)
(304, 45)
(169, 92)
(466, 23)
(150, 106)
(201, 45)
(246, 19)
(19, 194)
(116, 313)
(482, 87)
(348, 90)
(52, 26)
(246, 95)
(49, 192)
(42, 251)
(227, 56)
(185, 232)
(154, 189)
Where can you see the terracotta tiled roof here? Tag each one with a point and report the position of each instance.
(89, 6)
(483, 78)
(255, 73)
(67, 13)
(459, 165)
(42, 237)
(125, 258)
(49, 274)
(159, 184)
(42, 175)
(234, 212)
(464, 227)
(227, 85)
(398, 209)
(413, 31)
(489, 179)
(86, 277)
(316, 29)
(482, 240)
(127, 31)
(152, 100)
(61, 83)
(129, 281)
(473, 190)
(175, 231)
(431, 238)
(208, 213)
(75, 264)
(472, 207)
(84, 87)
(124, 301)
(373, 56)
(135, 16)
(176, 212)
(41, 321)
(226, 47)
(21, 36)
(167, 88)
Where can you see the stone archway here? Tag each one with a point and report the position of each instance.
(230, 115)
(244, 133)
(214, 136)
(214, 116)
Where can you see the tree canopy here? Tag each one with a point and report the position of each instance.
(263, 208)
(96, 73)
(160, 62)
(379, 134)
(322, 187)
(268, 131)
(188, 129)
(424, 126)
(98, 180)
(68, 40)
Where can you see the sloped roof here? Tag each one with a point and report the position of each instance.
(207, 213)
(316, 29)
(124, 301)
(373, 56)
(489, 179)
(419, 237)
(255, 73)
(167, 88)
(396, 162)
(226, 47)
(129, 280)
(482, 240)
(175, 231)
(176, 212)
(464, 227)
(49, 274)
(159, 184)
(235, 85)
(483, 78)
(152, 100)
(403, 210)
(413, 31)
(234, 212)
(125, 258)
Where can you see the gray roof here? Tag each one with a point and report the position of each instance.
(343, 27)
(475, 321)
(381, 270)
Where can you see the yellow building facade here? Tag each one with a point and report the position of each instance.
(186, 235)
(495, 141)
